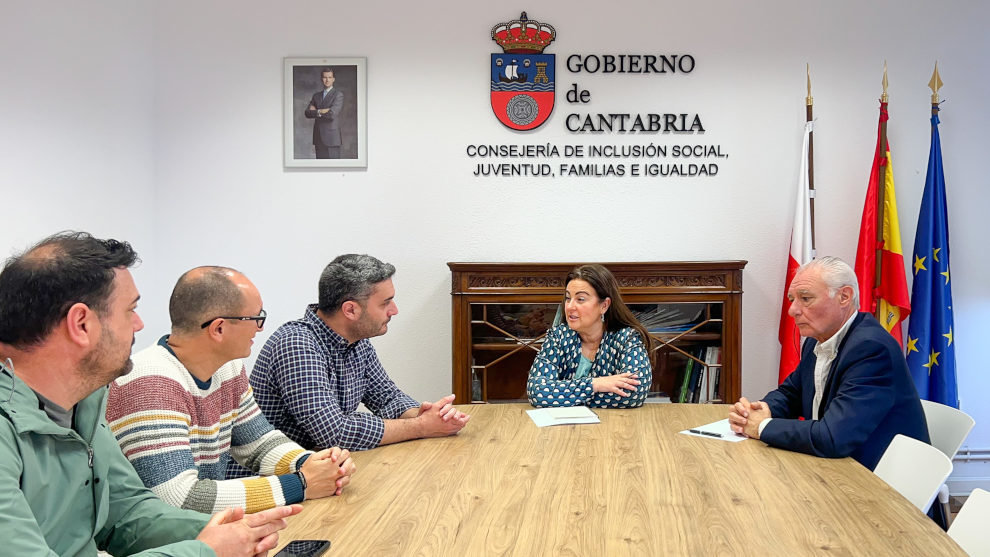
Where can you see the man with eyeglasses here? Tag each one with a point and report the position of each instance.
(68, 314)
(187, 409)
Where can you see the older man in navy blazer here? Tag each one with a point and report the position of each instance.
(852, 391)
(325, 109)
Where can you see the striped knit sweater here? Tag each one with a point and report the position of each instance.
(180, 433)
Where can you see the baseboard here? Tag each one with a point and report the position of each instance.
(964, 486)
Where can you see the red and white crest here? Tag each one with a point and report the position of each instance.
(522, 77)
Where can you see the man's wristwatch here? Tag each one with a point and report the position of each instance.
(302, 479)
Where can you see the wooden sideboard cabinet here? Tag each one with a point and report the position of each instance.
(501, 312)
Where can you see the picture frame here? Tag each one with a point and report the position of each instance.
(325, 130)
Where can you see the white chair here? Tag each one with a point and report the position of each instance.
(915, 469)
(947, 428)
(969, 529)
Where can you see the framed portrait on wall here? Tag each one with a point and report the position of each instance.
(326, 112)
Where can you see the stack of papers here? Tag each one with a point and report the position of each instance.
(543, 417)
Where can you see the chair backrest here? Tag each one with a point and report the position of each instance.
(947, 426)
(915, 469)
(969, 529)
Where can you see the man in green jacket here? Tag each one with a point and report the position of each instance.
(67, 323)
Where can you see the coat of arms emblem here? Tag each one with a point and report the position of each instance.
(522, 76)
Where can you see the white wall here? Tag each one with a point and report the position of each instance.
(76, 104)
(211, 148)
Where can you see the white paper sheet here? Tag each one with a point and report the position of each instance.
(719, 430)
(544, 417)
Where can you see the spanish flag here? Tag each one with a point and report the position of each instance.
(882, 284)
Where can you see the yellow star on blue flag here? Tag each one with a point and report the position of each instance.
(912, 345)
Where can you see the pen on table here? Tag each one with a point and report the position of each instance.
(708, 433)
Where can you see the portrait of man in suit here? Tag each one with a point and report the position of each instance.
(325, 110)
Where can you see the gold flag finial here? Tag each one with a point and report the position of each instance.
(883, 97)
(809, 100)
(935, 84)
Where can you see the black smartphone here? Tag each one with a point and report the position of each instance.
(304, 548)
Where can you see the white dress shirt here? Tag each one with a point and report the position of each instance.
(825, 353)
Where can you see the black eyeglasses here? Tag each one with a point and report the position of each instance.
(258, 319)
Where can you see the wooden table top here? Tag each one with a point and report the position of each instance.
(631, 485)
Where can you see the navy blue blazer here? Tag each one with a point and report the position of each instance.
(869, 398)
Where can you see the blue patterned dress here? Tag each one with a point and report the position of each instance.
(551, 379)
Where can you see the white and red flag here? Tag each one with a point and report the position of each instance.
(801, 252)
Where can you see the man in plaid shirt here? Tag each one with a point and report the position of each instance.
(313, 372)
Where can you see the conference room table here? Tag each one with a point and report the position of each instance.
(630, 485)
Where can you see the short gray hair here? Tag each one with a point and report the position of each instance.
(350, 277)
(836, 273)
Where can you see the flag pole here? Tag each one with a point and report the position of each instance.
(809, 102)
(881, 193)
(935, 84)
(801, 249)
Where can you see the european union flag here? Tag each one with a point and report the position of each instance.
(931, 351)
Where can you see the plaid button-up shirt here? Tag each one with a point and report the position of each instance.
(309, 381)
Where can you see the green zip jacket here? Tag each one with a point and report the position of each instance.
(70, 492)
